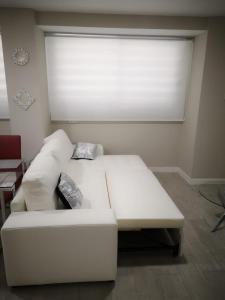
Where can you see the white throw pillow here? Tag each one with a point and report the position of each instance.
(59, 145)
(39, 183)
(61, 151)
(58, 134)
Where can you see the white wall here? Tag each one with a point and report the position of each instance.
(18, 29)
(5, 127)
(209, 153)
(187, 141)
(197, 145)
(156, 143)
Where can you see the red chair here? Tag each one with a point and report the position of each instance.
(10, 148)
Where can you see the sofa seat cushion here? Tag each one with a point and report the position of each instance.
(123, 162)
(83, 164)
(139, 201)
(91, 182)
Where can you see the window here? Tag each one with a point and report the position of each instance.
(109, 78)
(4, 109)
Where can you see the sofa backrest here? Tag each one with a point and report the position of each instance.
(38, 187)
(39, 183)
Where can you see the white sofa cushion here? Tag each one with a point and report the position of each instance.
(90, 178)
(60, 149)
(84, 164)
(18, 202)
(124, 162)
(59, 145)
(139, 201)
(39, 183)
(58, 134)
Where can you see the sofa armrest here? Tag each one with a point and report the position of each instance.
(42, 247)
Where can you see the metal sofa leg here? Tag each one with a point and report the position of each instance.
(177, 237)
(222, 218)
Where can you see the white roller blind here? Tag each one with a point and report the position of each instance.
(117, 79)
(4, 109)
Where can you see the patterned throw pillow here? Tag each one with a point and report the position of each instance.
(68, 192)
(85, 151)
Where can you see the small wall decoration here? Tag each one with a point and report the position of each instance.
(24, 99)
(20, 56)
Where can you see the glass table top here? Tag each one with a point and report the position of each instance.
(7, 179)
(10, 163)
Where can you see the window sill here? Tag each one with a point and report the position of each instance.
(117, 122)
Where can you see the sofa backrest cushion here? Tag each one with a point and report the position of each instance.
(39, 183)
(61, 149)
(59, 135)
(18, 202)
(59, 145)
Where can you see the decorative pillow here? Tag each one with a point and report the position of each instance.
(68, 192)
(85, 151)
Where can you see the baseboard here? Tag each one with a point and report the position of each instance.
(186, 177)
(164, 169)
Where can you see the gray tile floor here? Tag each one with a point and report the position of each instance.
(155, 274)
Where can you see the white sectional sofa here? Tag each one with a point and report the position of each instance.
(51, 245)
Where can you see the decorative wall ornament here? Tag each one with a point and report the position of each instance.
(20, 56)
(24, 99)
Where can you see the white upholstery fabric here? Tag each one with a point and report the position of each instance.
(53, 246)
(78, 165)
(91, 181)
(18, 202)
(58, 145)
(39, 183)
(118, 162)
(100, 150)
(139, 201)
(60, 246)
(90, 178)
(59, 135)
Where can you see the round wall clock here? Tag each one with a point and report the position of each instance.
(20, 56)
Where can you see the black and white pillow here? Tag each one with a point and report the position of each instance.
(85, 151)
(68, 192)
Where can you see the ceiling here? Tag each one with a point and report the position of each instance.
(145, 7)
